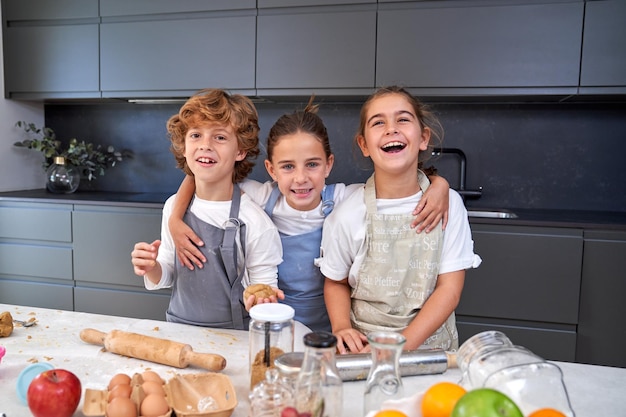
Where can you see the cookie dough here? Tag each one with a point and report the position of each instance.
(6, 324)
(258, 290)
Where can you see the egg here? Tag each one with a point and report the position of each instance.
(153, 387)
(153, 405)
(119, 379)
(121, 407)
(151, 376)
(120, 390)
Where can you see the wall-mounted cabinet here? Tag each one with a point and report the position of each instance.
(281, 48)
(480, 48)
(603, 67)
(315, 49)
(174, 49)
(527, 285)
(51, 49)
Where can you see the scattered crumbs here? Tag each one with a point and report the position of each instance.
(156, 329)
(47, 327)
(29, 337)
(32, 313)
(33, 360)
(48, 358)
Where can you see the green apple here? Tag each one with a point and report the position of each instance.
(485, 402)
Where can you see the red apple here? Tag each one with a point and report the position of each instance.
(54, 393)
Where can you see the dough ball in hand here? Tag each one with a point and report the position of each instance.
(260, 291)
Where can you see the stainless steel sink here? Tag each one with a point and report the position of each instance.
(491, 213)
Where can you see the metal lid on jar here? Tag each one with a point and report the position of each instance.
(59, 160)
(272, 312)
(289, 363)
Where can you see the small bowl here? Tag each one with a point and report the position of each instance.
(184, 394)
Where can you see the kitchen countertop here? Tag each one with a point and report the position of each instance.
(526, 217)
(593, 390)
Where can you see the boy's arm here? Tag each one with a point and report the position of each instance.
(185, 240)
(433, 206)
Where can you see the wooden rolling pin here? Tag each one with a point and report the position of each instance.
(165, 352)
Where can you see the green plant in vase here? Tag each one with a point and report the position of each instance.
(92, 160)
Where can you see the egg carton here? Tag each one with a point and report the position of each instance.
(185, 395)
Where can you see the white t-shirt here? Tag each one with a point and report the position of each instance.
(287, 219)
(343, 239)
(263, 247)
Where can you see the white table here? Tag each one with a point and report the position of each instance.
(594, 390)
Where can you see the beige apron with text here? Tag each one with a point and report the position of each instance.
(398, 274)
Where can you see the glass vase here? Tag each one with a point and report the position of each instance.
(62, 178)
(384, 381)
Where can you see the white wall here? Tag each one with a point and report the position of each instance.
(20, 169)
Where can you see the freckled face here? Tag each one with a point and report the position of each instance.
(211, 151)
(393, 136)
(299, 165)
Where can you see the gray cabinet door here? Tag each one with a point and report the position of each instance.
(527, 273)
(601, 332)
(603, 66)
(37, 294)
(51, 51)
(478, 48)
(316, 50)
(141, 305)
(104, 238)
(177, 55)
(549, 343)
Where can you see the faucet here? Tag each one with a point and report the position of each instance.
(463, 171)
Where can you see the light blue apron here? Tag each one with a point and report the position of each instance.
(212, 296)
(302, 281)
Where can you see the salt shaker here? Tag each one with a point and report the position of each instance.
(271, 335)
(319, 389)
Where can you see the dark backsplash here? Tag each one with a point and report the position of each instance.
(539, 156)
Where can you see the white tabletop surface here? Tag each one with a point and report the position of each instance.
(593, 390)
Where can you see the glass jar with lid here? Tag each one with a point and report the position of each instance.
(271, 335)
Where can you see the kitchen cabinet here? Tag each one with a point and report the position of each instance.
(315, 48)
(527, 286)
(77, 257)
(36, 255)
(51, 49)
(603, 67)
(173, 49)
(480, 48)
(104, 237)
(601, 333)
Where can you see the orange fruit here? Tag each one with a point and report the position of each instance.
(440, 398)
(546, 412)
(390, 413)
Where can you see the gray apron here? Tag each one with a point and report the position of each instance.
(398, 274)
(212, 296)
(298, 277)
